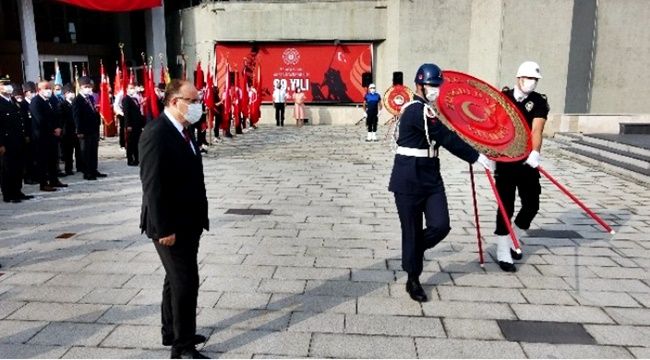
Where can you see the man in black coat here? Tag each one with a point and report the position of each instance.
(46, 131)
(69, 141)
(175, 212)
(24, 97)
(134, 122)
(87, 121)
(12, 145)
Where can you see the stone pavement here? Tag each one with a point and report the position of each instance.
(320, 275)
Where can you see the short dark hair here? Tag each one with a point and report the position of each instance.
(173, 89)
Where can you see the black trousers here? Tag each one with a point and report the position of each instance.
(525, 180)
(371, 122)
(30, 170)
(279, 114)
(122, 135)
(70, 146)
(133, 139)
(89, 145)
(415, 239)
(47, 161)
(180, 289)
(11, 171)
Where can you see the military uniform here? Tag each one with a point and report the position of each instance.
(12, 137)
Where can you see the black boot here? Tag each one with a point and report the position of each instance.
(415, 290)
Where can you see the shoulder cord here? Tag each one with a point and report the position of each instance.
(428, 112)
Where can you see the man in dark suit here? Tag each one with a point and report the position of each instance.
(87, 120)
(12, 145)
(134, 122)
(46, 131)
(175, 212)
(69, 140)
(24, 97)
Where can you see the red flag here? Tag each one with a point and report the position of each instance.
(114, 5)
(256, 103)
(243, 103)
(235, 98)
(225, 120)
(105, 108)
(126, 76)
(208, 99)
(151, 95)
(145, 80)
(117, 85)
(199, 76)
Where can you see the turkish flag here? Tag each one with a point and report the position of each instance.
(114, 5)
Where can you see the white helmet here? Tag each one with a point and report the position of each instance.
(529, 69)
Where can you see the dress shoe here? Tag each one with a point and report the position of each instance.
(47, 188)
(89, 177)
(187, 354)
(515, 255)
(98, 174)
(507, 267)
(197, 339)
(415, 290)
(59, 184)
(22, 196)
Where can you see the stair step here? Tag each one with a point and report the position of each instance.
(567, 137)
(611, 166)
(642, 162)
(635, 144)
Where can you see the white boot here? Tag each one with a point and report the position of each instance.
(369, 138)
(374, 136)
(503, 253)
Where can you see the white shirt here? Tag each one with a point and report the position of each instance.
(518, 94)
(279, 95)
(117, 103)
(178, 127)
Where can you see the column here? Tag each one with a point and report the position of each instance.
(156, 35)
(28, 37)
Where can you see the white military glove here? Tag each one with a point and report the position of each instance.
(533, 159)
(486, 162)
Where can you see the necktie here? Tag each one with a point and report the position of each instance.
(186, 134)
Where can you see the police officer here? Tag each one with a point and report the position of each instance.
(416, 180)
(372, 106)
(12, 144)
(522, 176)
(24, 99)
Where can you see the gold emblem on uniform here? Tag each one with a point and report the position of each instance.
(529, 106)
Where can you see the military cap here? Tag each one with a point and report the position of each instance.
(5, 80)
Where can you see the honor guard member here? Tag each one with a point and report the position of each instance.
(25, 98)
(372, 106)
(12, 144)
(416, 180)
(521, 176)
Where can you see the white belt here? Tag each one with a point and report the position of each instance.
(406, 151)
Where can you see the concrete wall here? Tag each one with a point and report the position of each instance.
(622, 65)
(591, 123)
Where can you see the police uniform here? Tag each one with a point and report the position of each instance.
(12, 138)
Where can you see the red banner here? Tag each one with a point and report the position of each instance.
(114, 5)
(326, 73)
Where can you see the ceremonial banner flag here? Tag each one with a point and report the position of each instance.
(225, 120)
(105, 108)
(114, 5)
(117, 84)
(150, 91)
(199, 77)
(57, 73)
(327, 73)
(243, 101)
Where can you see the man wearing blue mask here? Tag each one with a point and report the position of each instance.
(175, 211)
(372, 106)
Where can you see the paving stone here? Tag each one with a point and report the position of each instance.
(373, 275)
(90, 280)
(473, 329)
(387, 306)
(640, 353)
(135, 336)
(569, 351)
(69, 333)
(351, 263)
(109, 296)
(27, 278)
(294, 344)
(481, 294)
(548, 297)
(630, 316)
(561, 313)
(394, 325)
(487, 280)
(148, 281)
(566, 271)
(45, 293)
(602, 298)
(358, 346)
(136, 315)
(279, 260)
(448, 348)
(346, 288)
(230, 284)
(620, 335)
(317, 322)
(308, 303)
(467, 310)
(243, 319)
(59, 312)
(233, 300)
(614, 285)
(620, 273)
(19, 351)
(18, 332)
(302, 273)
(84, 352)
(643, 298)
(544, 282)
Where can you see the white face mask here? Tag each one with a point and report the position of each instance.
(131, 92)
(47, 93)
(194, 112)
(431, 93)
(528, 85)
(8, 89)
(69, 97)
(86, 91)
(372, 91)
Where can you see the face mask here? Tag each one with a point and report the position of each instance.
(528, 85)
(194, 112)
(47, 93)
(19, 99)
(431, 93)
(58, 92)
(9, 89)
(372, 91)
(131, 92)
(69, 97)
(86, 91)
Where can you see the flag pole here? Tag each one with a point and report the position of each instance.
(575, 200)
(209, 110)
(478, 226)
(504, 214)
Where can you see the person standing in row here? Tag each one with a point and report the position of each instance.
(279, 103)
(46, 132)
(175, 212)
(87, 121)
(372, 106)
(416, 180)
(521, 176)
(299, 107)
(69, 142)
(134, 122)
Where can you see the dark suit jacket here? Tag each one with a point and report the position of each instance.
(11, 123)
(86, 118)
(69, 128)
(132, 115)
(173, 189)
(44, 120)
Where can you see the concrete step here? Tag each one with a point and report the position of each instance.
(610, 166)
(613, 153)
(567, 138)
(610, 142)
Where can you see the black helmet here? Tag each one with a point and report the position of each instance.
(429, 74)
